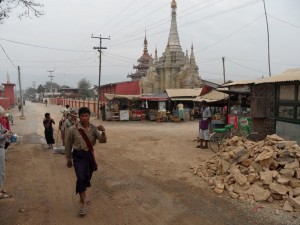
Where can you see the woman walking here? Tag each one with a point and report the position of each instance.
(47, 122)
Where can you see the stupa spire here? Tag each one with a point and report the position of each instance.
(173, 35)
(145, 43)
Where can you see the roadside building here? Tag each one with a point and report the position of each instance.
(272, 103)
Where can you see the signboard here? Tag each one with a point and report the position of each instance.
(240, 88)
(232, 119)
(124, 115)
(161, 105)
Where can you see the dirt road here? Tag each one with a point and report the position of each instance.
(145, 177)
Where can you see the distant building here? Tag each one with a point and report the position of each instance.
(70, 92)
(143, 64)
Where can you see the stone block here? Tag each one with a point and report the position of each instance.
(266, 177)
(278, 188)
(259, 193)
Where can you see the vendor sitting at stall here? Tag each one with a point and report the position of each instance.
(204, 125)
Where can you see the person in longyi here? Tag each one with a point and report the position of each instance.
(81, 138)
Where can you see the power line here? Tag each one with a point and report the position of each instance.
(249, 68)
(283, 21)
(139, 20)
(199, 20)
(116, 15)
(57, 61)
(44, 47)
(8, 57)
(131, 15)
(260, 61)
(166, 20)
(230, 35)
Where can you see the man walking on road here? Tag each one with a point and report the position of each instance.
(82, 137)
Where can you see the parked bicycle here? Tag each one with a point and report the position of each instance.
(218, 137)
(246, 131)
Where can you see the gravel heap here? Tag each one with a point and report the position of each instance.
(256, 171)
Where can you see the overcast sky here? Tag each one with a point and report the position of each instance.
(235, 29)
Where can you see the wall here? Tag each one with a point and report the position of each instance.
(128, 88)
(123, 88)
(4, 102)
(288, 131)
(267, 124)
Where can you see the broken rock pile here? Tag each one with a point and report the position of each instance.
(256, 171)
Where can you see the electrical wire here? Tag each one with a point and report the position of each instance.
(260, 61)
(165, 21)
(37, 61)
(116, 15)
(230, 35)
(198, 20)
(38, 46)
(8, 57)
(249, 68)
(283, 21)
(150, 2)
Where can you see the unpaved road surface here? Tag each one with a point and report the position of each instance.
(145, 177)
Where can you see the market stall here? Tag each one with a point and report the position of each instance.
(239, 107)
(122, 107)
(218, 103)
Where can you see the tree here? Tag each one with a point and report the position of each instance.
(40, 89)
(54, 85)
(84, 89)
(30, 7)
(30, 92)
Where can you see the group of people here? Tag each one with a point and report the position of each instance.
(79, 136)
(68, 119)
(5, 134)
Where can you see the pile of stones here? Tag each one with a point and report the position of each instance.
(256, 171)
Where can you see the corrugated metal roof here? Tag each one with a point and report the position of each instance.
(287, 76)
(113, 96)
(183, 99)
(183, 92)
(213, 96)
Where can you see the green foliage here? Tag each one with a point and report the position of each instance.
(30, 91)
(54, 85)
(84, 89)
(40, 89)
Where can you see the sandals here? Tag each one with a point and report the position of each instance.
(3, 196)
(83, 211)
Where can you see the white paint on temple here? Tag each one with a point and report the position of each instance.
(174, 69)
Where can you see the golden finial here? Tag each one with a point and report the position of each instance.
(173, 4)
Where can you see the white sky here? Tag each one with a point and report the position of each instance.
(235, 29)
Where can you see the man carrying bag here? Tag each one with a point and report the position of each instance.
(82, 137)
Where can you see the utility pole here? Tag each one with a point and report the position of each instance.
(100, 62)
(223, 60)
(21, 94)
(269, 60)
(51, 78)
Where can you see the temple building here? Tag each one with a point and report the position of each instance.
(143, 64)
(173, 70)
